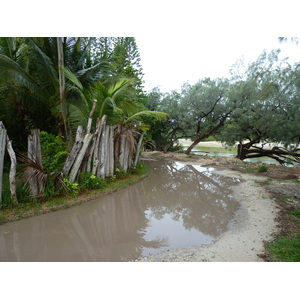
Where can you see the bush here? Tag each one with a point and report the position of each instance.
(89, 181)
(263, 169)
(54, 151)
(72, 187)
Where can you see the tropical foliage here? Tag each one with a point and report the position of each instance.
(56, 84)
(106, 69)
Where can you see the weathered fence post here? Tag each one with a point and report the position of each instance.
(76, 166)
(2, 152)
(138, 150)
(13, 167)
(97, 158)
(76, 148)
(111, 151)
(35, 155)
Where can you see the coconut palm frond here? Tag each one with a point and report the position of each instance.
(11, 72)
(34, 174)
(44, 64)
(77, 115)
(146, 113)
(130, 134)
(91, 75)
(72, 77)
(118, 88)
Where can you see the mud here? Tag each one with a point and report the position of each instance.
(179, 205)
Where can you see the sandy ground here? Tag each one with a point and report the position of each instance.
(253, 223)
(187, 143)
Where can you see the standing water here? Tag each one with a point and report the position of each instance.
(178, 205)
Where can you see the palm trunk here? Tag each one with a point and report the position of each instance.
(62, 88)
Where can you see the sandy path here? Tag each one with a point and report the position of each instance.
(253, 223)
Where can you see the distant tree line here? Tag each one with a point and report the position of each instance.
(259, 104)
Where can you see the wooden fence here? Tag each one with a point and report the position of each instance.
(101, 153)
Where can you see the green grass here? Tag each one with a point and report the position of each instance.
(285, 249)
(259, 169)
(262, 169)
(296, 213)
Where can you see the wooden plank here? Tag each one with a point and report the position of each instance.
(107, 156)
(138, 150)
(2, 152)
(111, 151)
(35, 155)
(103, 152)
(97, 150)
(126, 155)
(74, 152)
(122, 151)
(13, 167)
(78, 161)
(12, 172)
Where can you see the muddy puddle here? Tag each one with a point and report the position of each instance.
(178, 205)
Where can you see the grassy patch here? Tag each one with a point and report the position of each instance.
(28, 209)
(255, 169)
(262, 169)
(286, 249)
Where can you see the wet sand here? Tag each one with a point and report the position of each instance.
(252, 225)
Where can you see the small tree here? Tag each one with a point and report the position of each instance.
(206, 107)
(269, 96)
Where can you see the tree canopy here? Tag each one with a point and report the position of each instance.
(258, 105)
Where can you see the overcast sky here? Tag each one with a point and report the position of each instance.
(170, 61)
(179, 41)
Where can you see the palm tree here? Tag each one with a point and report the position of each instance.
(30, 70)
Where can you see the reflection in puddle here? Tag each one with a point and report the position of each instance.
(178, 205)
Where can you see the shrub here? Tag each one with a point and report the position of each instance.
(90, 181)
(54, 151)
(263, 169)
(71, 187)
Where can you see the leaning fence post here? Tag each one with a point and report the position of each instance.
(2, 152)
(138, 150)
(35, 155)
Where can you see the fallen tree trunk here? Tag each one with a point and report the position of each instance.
(281, 155)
